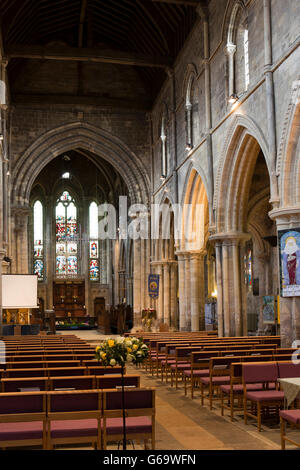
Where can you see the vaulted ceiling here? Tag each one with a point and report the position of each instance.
(144, 34)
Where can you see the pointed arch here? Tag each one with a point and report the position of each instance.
(79, 135)
(288, 162)
(242, 145)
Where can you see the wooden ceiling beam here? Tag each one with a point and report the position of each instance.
(85, 55)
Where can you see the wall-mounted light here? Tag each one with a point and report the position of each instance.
(188, 146)
(214, 294)
(162, 177)
(8, 173)
(233, 98)
(1, 137)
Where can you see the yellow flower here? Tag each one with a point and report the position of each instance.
(129, 350)
(111, 343)
(98, 348)
(103, 355)
(135, 347)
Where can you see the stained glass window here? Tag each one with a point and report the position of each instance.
(248, 269)
(94, 243)
(38, 240)
(66, 236)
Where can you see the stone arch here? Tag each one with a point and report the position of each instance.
(288, 163)
(78, 134)
(194, 212)
(242, 145)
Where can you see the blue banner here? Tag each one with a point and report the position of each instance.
(153, 285)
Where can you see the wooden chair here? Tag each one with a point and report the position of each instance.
(291, 417)
(74, 417)
(264, 373)
(23, 419)
(140, 415)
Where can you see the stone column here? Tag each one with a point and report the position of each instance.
(219, 289)
(187, 296)
(160, 302)
(270, 101)
(2, 254)
(137, 282)
(181, 286)
(173, 295)
(288, 218)
(195, 291)
(226, 288)
(237, 291)
(230, 51)
(166, 269)
(21, 239)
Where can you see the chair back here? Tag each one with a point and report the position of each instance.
(288, 369)
(255, 372)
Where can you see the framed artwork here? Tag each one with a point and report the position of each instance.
(289, 262)
(269, 309)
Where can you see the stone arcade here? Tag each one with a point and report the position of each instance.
(165, 102)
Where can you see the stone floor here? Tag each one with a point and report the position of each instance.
(182, 423)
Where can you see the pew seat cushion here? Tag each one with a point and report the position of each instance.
(266, 395)
(134, 425)
(74, 428)
(21, 431)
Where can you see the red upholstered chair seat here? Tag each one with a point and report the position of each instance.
(134, 425)
(21, 431)
(292, 416)
(74, 428)
(265, 395)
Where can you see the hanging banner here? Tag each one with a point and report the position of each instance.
(153, 285)
(289, 261)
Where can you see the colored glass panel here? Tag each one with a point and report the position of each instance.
(72, 264)
(39, 268)
(38, 251)
(72, 247)
(61, 265)
(93, 249)
(94, 270)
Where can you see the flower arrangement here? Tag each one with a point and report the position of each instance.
(114, 352)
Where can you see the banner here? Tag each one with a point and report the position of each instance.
(289, 261)
(153, 285)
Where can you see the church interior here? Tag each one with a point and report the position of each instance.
(150, 188)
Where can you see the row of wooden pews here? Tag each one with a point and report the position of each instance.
(215, 369)
(54, 392)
